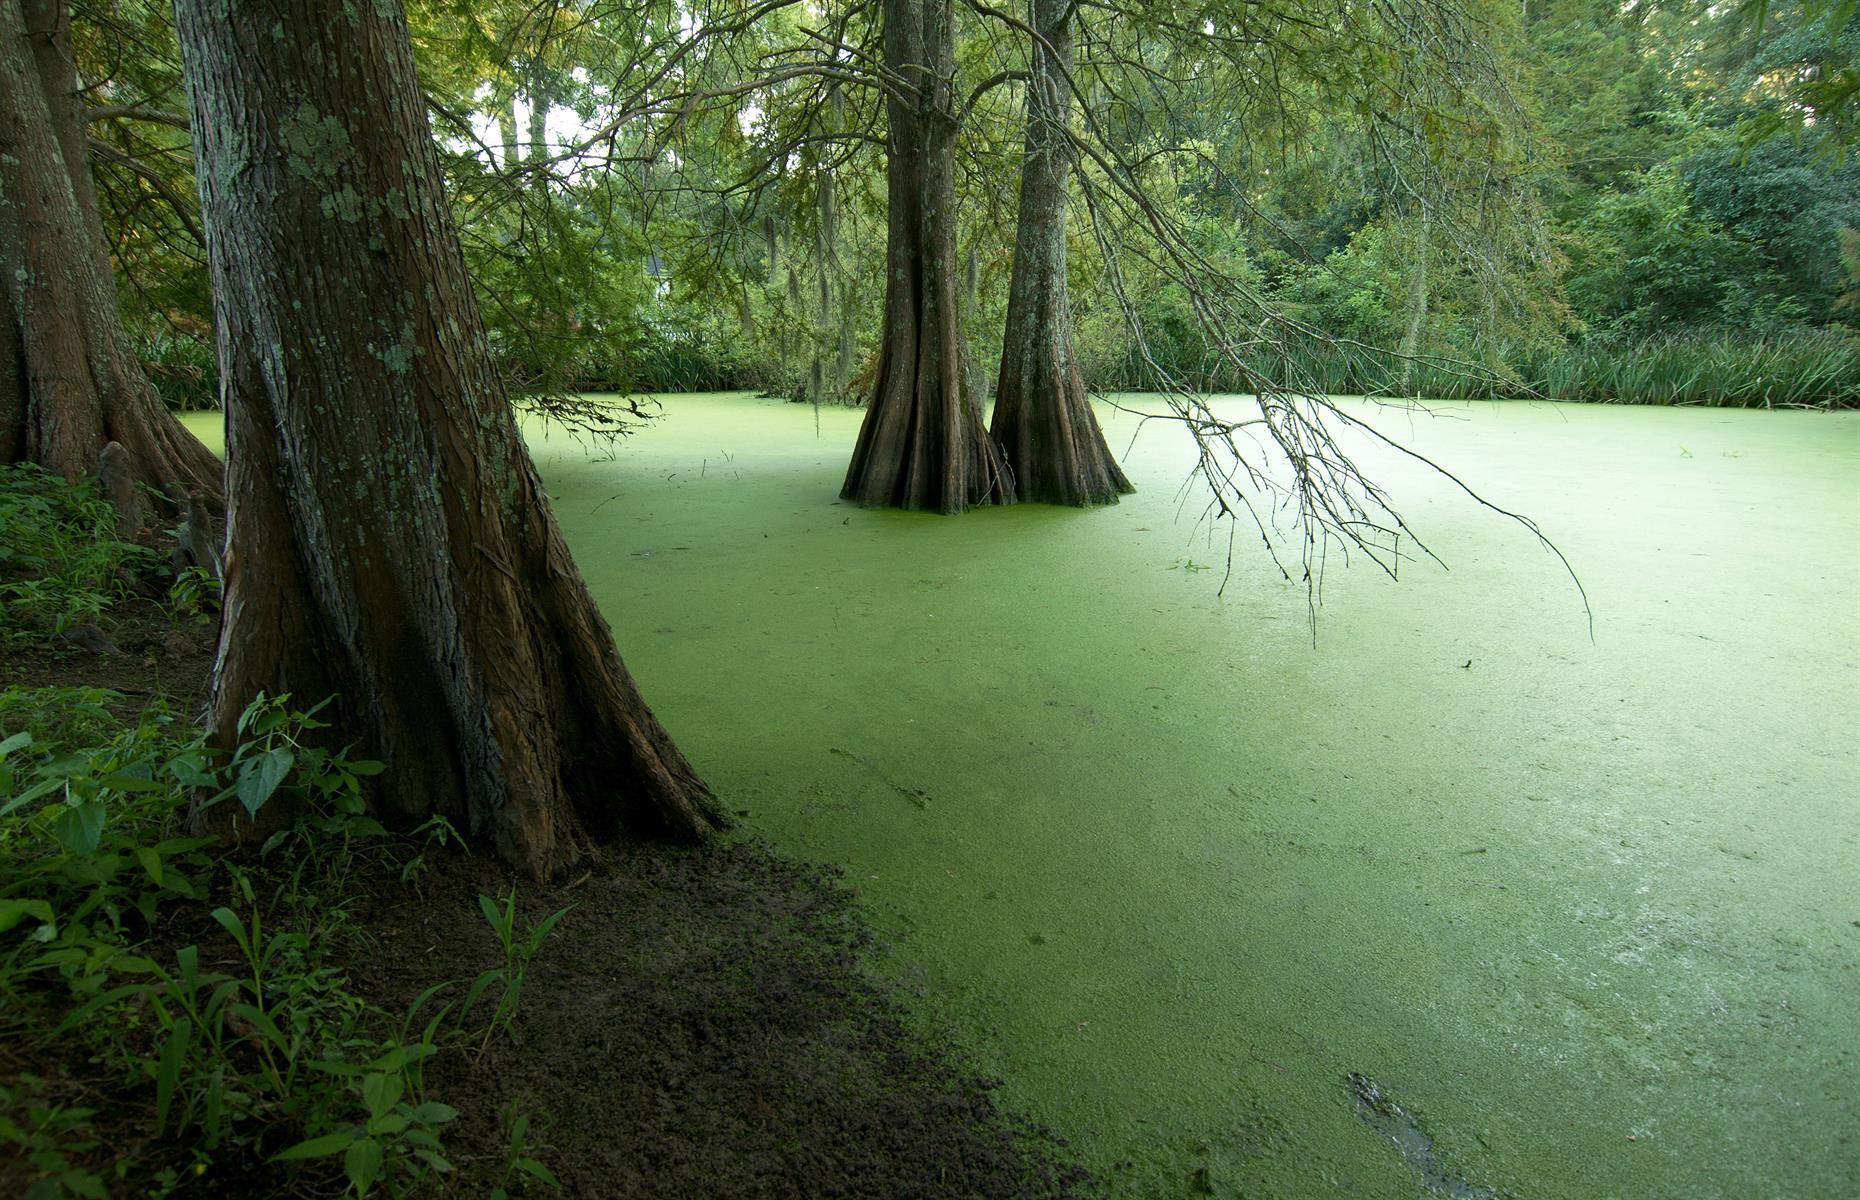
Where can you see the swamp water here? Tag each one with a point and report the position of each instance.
(1458, 902)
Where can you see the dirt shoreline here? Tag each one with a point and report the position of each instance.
(700, 1024)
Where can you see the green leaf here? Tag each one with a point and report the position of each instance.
(30, 794)
(318, 1147)
(229, 921)
(188, 772)
(151, 862)
(388, 1125)
(23, 738)
(531, 1167)
(488, 907)
(262, 1022)
(12, 912)
(180, 885)
(79, 827)
(381, 1093)
(251, 710)
(363, 1165)
(366, 766)
(168, 1073)
(335, 1066)
(422, 1139)
(260, 777)
(433, 1159)
(96, 1004)
(125, 781)
(542, 930)
(434, 1113)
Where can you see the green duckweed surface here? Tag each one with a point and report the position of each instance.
(1586, 912)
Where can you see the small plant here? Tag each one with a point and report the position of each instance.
(519, 949)
(518, 1160)
(435, 831)
(276, 745)
(193, 597)
(395, 1142)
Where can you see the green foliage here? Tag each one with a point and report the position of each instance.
(1644, 261)
(90, 829)
(96, 857)
(394, 1142)
(1789, 207)
(1623, 176)
(519, 948)
(46, 1135)
(194, 597)
(61, 564)
(1848, 304)
(184, 368)
(277, 1058)
(279, 743)
(1799, 69)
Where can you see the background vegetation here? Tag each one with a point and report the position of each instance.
(1664, 215)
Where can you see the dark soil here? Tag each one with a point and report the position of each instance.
(700, 1023)
(139, 652)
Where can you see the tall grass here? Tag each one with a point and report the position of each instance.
(1723, 369)
(1808, 369)
(1803, 370)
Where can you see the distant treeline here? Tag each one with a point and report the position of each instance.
(1647, 218)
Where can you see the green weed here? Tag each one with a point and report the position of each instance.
(519, 948)
(61, 564)
(518, 1161)
(194, 597)
(47, 1136)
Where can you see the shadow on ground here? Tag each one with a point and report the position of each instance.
(700, 1025)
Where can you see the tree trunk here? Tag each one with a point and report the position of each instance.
(390, 541)
(12, 377)
(1043, 419)
(76, 385)
(923, 444)
(1417, 300)
(507, 134)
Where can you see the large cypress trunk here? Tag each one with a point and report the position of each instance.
(923, 444)
(69, 381)
(12, 378)
(1043, 419)
(389, 539)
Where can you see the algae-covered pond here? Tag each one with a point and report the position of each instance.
(1581, 917)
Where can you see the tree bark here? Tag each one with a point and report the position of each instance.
(78, 386)
(1043, 418)
(12, 375)
(389, 539)
(1417, 299)
(923, 444)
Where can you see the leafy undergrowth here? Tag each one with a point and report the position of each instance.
(176, 1017)
(349, 1010)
